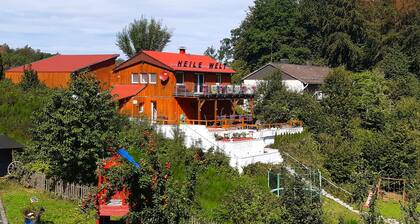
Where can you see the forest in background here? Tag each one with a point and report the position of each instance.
(356, 34)
(367, 126)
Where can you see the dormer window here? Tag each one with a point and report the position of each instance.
(152, 78)
(144, 78)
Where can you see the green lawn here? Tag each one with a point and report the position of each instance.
(333, 211)
(15, 198)
(390, 209)
(211, 188)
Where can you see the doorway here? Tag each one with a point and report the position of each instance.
(199, 82)
(153, 113)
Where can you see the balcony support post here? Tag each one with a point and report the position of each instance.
(234, 105)
(251, 106)
(200, 105)
(215, 110)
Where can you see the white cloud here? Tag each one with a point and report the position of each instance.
(90, 26)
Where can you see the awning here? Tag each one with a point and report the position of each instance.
(7, 143)
(124, 91)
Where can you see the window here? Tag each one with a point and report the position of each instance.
(135, 78)
(152, 78)
(179, 78)
(218, 78)
(144, 78)
(141, 108)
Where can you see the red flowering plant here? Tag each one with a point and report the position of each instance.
(152, 195)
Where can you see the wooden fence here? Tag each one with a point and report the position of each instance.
(69, 191)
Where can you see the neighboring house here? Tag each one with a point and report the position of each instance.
(173, 86)
(7, 146)
(55, 71)
(295, 77)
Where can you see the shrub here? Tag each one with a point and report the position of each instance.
(30, 79)
(250, 203)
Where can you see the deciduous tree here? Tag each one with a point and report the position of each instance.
(74, 129)
(143, 34)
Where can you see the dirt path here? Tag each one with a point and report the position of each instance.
(3, 219)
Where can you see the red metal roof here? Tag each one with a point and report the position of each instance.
(66, 63)
(189, 62)
(178, 62)
(125, 91)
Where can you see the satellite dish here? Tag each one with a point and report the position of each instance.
(164, 76)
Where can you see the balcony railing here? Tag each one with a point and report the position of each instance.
(194, 90)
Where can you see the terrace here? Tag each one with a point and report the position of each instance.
(214, 91)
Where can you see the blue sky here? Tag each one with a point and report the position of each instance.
(90, 26)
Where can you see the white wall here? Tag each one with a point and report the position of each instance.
(291, 85)
(241, 153)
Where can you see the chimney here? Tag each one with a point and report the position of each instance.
(182, 50)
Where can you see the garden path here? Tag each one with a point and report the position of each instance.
(3, 219)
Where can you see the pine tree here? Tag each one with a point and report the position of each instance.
(30, 79)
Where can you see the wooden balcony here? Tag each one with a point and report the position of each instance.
(214, 91)
(233, 122)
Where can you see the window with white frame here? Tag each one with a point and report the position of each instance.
(218, 79)
(179, 78)
(135, 78)
(152, 78)
(144, 78)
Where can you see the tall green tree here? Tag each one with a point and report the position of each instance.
(343, 33)
(74, 130)
(225, 52)
(371, 103)
(143, 34)
(339, 103)
(269, 33)
(278, 104)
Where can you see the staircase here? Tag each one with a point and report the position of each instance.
(330, 196)
(241, 153)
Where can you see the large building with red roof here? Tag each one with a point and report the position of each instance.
(55, 71)
(176, 87)
(160, 86)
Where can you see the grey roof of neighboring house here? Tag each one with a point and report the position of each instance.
(308, 74)
(7, 143)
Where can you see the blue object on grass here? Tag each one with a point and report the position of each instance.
(128, 157)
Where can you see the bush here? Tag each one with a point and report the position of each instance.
(298, 204)
(16, 108)
(250, 203)
(30, 79)
(257, 169)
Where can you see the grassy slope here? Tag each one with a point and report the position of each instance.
(392, 209)
(332, 212)
(213, 186)
(16, 197)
